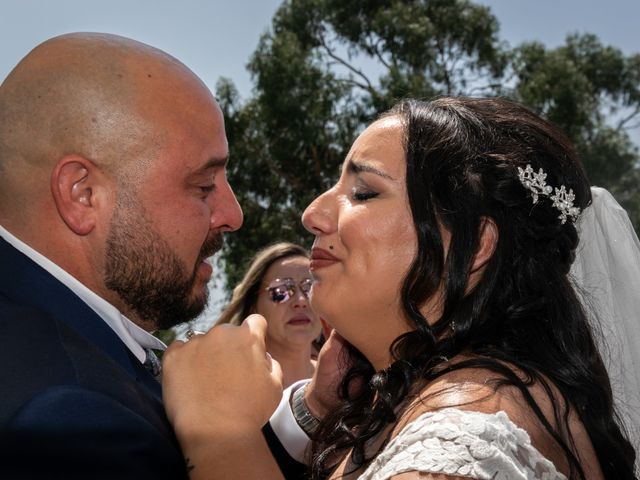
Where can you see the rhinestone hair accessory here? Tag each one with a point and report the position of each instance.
(562, 199)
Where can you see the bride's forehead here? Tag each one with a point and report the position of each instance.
(381, 144)
(383, 128)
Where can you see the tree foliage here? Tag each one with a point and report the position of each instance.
(592, 92)
(327, 68)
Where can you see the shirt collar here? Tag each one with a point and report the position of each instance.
(135, 338)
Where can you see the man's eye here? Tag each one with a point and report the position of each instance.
(207, 188)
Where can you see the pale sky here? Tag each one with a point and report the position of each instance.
(216, 38)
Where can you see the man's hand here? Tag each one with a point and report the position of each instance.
(222, 383)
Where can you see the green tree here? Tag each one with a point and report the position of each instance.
(592, 92)
(328, 67)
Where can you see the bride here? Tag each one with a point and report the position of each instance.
(441, 257)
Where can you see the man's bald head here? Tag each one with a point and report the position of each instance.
(100, 96)
(112, 165)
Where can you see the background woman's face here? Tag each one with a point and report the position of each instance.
(291, 323)
(364, 222)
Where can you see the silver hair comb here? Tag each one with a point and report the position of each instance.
(562, 200)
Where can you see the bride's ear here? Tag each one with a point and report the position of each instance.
(487, 241)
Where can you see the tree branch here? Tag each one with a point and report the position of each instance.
(351, 81)
(348, 66)
(622, 123)
(378, 54)
(443, 56)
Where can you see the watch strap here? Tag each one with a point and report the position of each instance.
(307, 421)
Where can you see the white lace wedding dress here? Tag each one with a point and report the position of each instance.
(463, 443)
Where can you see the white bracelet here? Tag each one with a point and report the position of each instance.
(307, 421)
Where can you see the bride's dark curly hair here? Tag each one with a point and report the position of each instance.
(462, 159)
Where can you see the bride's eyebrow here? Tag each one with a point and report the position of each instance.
(358, 167)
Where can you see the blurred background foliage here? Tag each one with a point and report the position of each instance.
(326, 68)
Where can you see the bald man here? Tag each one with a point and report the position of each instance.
(113, 194)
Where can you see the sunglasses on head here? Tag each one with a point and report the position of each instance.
(281, 290)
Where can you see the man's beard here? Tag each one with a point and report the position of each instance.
(148, 276)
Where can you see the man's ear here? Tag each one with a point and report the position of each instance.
(73, 183)
(488, 239)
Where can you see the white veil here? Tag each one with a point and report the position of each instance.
(607, 274)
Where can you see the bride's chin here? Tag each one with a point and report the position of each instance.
(317, 305)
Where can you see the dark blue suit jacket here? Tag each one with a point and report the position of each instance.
(74, 402)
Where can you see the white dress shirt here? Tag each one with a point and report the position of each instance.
(286, 428)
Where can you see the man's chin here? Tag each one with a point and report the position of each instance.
(198, 302)
(187, 312)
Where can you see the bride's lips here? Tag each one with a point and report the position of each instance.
(320, 258)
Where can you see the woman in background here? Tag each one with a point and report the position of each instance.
(276, 286)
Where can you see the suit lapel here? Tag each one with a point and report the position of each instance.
(24, 281)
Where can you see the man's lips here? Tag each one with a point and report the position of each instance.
(321, 258)
(206, 268)
(208, 250)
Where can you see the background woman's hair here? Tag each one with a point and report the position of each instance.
(245, 294)
(462, 156)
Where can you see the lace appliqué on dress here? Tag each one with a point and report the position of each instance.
(463, 443)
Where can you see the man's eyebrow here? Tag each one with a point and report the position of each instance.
(214, 162)
(357, 167)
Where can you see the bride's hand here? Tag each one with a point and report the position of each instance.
(221, 383)
(321, 394)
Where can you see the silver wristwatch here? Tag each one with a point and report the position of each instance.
(307, 421)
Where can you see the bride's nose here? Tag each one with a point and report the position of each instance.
(319, 217)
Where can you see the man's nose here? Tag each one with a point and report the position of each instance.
(226, 214)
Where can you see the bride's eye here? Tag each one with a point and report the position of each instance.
(362, 195)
